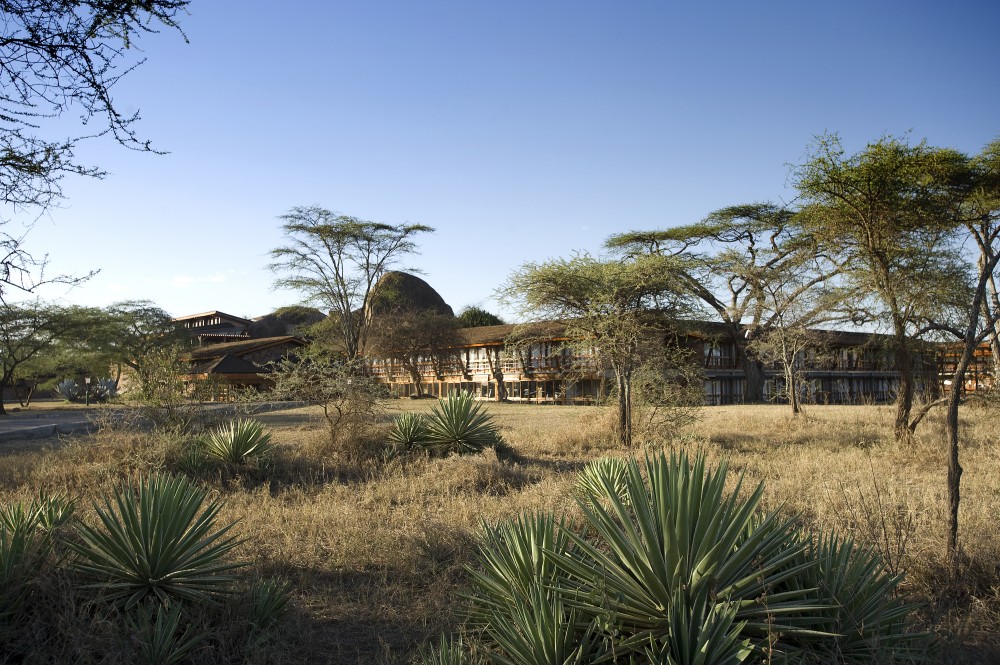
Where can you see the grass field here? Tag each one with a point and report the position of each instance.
(375, 547)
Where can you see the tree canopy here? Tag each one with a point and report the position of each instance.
(60, 57)
(335, 261)
(617, 306)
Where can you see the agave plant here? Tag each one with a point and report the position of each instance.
(20, 558)
(68, 390)
(600, 477)
(155, 630)
(447, 652)
(240, 442)
(458, 424)
(157, 541)
(408, 430)
(268, 601)
(672, 568)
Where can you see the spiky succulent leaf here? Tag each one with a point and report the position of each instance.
(157, 540)
(459, 424)
(408, 430)
(239, 442)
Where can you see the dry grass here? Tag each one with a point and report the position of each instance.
(375, 546)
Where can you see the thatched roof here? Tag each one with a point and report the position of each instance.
(239, 348)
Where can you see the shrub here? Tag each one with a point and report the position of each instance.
(408, 430)
(157, 541)
(671, 567)
(68, 390)
(459, 425)
(25, 543)
(240, 442)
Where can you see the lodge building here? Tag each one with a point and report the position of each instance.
(850, 368)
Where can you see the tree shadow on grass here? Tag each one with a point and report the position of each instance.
(358, 616)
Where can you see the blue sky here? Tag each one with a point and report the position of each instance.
(521, 131)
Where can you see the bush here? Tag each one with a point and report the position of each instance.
(670, 567)
(101, 390)
(158, 542)
(240, 442)
(459, 425)
(409, 430)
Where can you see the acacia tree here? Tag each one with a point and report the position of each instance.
(28, 330)
(883, 210)
(58, 57)
(476, 317)
(336, 262)
(974, 188)
(616, 306)
(131, 331)
(793, 333)
(730, 260)
(416, 339)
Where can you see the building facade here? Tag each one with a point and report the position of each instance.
(845, 368)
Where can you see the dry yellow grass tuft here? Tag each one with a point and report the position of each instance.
(376, 545)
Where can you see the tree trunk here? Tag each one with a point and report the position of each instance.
(413, 368)
(623, 379)
(904, 399)
(991, 310)
(792, 387)
(3, 384)
(753, 370)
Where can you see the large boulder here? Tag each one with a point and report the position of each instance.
(402, 292)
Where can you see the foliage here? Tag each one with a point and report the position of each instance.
(621, 308)
(447, 652)
(26, 539)
(100, 390)
(476, 317)
(131, 332)
(336, 260)
(590, 486)
(59, 57)
(668, 392)
(884, 210)
(347, 398)
(418, 341)
(458, 424)
(671, 566)
(155, 628)
(731, 260)
(157, 541)
(268, 604)
(409, 430)
(162, 393)
(30, 331)
(240, 442)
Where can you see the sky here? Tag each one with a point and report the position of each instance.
(519, 131)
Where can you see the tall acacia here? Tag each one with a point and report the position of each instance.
(732, 261)
(884, 211)
(973, 185)
(614, 306)
(336, 261)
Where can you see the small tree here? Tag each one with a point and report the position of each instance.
(617, 307)
(335, 261)
(347, 398)
(30, 330)
(417, 341)
(477, 317)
